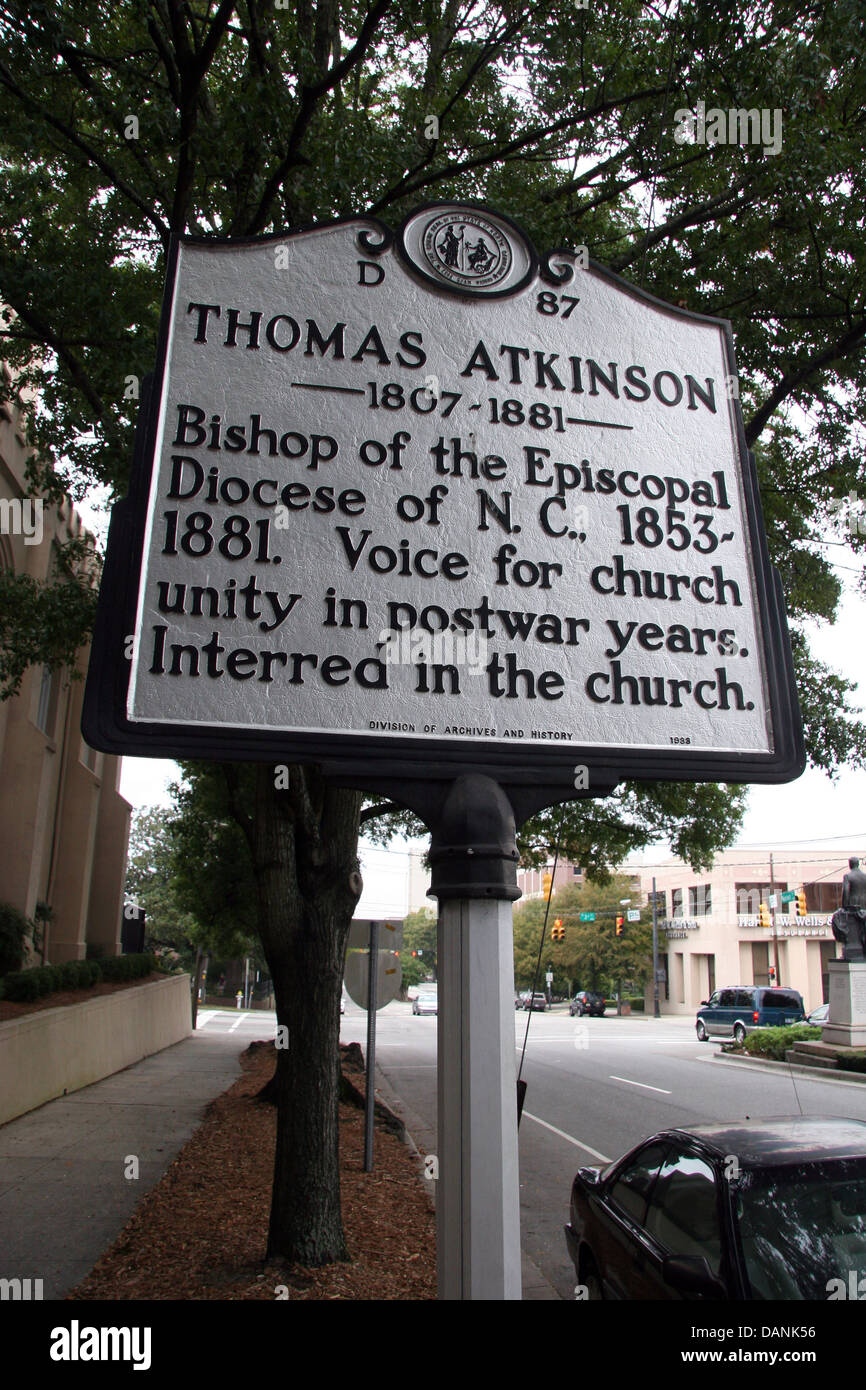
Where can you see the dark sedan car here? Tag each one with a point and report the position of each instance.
(760, 1209)
(585, 1002)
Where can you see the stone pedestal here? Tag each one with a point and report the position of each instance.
(847, 1026)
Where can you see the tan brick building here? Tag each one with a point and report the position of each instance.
(64, 827)
(710, 935)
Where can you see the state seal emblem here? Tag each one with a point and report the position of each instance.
(467, 250)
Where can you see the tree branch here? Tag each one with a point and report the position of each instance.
(404, 189)
(92, 155)
(310, 97)
(386, 809)
(798, 375)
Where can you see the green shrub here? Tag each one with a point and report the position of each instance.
(14, 926)
(53, 975)
(775, 1042)
(44, 977)
(131, 967)
(69, 974)
(116, 968)
(23, 987)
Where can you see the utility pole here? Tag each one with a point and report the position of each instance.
(656, 1010)
(778, 979)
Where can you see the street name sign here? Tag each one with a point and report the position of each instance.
(424, 503)
(587, 916)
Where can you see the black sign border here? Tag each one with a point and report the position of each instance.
(372, 758)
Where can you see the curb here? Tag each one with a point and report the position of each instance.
(815, 1073)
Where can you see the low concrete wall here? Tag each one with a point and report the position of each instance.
(49, 1053)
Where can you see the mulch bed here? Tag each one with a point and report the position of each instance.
(61, 997)
(201, 1233)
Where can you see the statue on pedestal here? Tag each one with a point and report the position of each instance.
(849, 922)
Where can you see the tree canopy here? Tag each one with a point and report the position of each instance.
(591, 956)
(123, 124)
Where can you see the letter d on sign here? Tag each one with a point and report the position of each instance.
(364, 267)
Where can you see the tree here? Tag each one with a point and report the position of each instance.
(591, 956)
(122, 125)
(191, 874)
(150, 881)
(419, 934)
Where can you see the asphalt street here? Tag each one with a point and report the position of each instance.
(595, 1087)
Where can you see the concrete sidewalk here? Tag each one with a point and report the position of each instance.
(63, 1194)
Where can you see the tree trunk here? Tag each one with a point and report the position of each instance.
(305, 846)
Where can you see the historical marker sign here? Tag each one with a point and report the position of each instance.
(424, 502)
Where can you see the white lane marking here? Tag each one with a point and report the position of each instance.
(202, 1018)
(578, 1143)
(625, 1079)
(238, 1022)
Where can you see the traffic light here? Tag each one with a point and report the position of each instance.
(546, 883)
(802, 910)
(558, 932)
(620, 924)
(764, 918)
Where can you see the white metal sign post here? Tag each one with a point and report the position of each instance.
(465, 525)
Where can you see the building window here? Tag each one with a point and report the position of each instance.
(700, 900)
(91, 759)
(676, 902)
(823, 897)
(46, 710)
(661, 901)
(750, 896)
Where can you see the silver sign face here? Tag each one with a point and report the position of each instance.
(427, 489)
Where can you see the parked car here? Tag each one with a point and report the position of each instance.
(740, 1009)
(756, 1209)
(585, 1002)
(819, 1016)
(536, 1002)
(521, 998)
(426, 1002)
